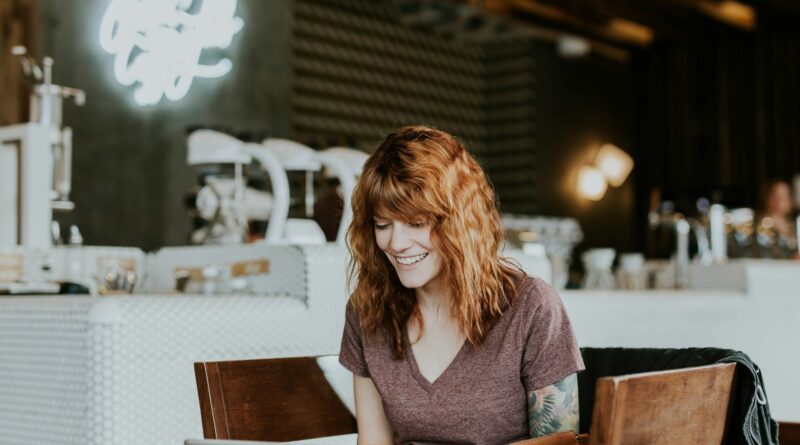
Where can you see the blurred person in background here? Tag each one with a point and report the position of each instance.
(776, 231)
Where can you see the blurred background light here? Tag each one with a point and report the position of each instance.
(592, 183)
(615, 164)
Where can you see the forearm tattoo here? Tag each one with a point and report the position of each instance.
(554, 408)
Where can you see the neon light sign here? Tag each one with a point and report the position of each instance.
(158, 43)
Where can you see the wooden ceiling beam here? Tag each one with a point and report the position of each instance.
(735, 13)
(552, 34)
(792, 6)
(730, 12)
(624, 32)
(667, 23)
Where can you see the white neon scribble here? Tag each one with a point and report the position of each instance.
(157, 43)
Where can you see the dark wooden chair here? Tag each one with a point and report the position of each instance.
(278, 400)
(681, 406)
(789, 433)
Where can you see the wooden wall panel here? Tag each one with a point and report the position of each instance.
(17, 27)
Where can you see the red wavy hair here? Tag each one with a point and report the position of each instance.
(421, 174)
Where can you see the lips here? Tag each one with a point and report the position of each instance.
(411, 260)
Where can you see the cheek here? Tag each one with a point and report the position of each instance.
(437, 265)
(426, 239)
(381, 239)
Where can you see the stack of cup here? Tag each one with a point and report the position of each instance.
(597, 263)
(630, 273)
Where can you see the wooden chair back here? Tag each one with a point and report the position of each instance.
(683, 406)
(278, 400)
(789, 433)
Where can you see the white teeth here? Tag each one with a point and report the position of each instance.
(411, 259)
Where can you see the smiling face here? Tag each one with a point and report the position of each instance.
(410, 250)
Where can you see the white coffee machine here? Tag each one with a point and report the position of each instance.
(36, 160)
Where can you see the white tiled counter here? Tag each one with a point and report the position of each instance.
(758, 313)
(119, 370)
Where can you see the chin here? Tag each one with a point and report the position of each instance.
(412, 282)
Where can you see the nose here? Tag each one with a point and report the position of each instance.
(400, 239)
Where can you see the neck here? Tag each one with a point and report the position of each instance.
(431, 299)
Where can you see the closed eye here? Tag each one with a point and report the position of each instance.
(381, 226)
(418, 224)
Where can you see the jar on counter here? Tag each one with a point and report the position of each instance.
(631, 273)
(597, 263)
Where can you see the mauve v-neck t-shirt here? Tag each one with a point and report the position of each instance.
(481, 397)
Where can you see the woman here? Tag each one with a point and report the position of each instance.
(447, 341)
(776, 233)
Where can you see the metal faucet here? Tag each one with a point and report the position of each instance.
(719, 241)
(46, 109)
(703, 242)
(682, 257)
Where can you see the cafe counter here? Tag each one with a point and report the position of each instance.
(747, 305)
(118, 370)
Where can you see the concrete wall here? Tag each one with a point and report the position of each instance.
(130, 169)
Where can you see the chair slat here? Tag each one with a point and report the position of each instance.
(270, 399)
(687, 405)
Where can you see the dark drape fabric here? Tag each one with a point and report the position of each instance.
(717, 110)
(697, 113)
(778, 82)
(749, 419)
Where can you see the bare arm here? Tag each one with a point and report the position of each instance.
(373, 428)
(554, 408)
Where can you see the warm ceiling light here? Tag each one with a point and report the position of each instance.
(631, 31)
(615, 164)
(737, 11)
(591, 183)
(732, 12)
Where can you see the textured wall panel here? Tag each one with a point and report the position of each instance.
(510, 159)
(359, 71)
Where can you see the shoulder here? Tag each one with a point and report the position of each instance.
(534, 293)
(355, 325)
(353, 315)
(352, 318)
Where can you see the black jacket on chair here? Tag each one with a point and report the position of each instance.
(749, 420)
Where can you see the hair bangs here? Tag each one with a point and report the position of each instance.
(395, 199)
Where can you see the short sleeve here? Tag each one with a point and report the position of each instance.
(351, 354)
(551, 351)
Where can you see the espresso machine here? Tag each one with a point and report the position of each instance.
(223, 200)
(225, 204)
(27, 196)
